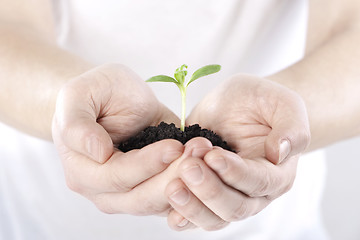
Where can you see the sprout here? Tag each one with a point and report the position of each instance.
(179, 80)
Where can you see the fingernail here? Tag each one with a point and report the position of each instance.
(183, 223)
(180, 197)
(171, 156)
(284, 150)
(93, 147)
(218, 164)
(193, 175)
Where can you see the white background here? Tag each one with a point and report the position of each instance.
(341, 200)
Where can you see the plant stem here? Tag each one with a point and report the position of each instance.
(183, 107)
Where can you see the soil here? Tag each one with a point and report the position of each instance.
(170, 131)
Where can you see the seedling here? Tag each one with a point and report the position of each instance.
(179, 80)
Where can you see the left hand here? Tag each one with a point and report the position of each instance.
(100, 107)
(267, 125)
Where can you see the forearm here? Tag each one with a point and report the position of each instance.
(328, 81)
(32, 70)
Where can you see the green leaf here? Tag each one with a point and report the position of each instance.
(206, 70)
(180, 73)
(162, 78)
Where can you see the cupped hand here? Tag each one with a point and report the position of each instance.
(267, 125)
(257, 117)
(96, 110)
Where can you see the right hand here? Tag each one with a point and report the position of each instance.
(96, 110)
(255, 116)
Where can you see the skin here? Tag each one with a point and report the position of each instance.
(226, 186)
(323, 85)
(85, 134)
(30, 57)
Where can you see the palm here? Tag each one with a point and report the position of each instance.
(96, 109)
(244, 110)
(257, 118)
(117, 99)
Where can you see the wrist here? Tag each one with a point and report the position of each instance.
(287, 78)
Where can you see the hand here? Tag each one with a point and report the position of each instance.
(267, 125)
(257, 117)
(101, 108)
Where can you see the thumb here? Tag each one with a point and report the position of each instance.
(283, 143)
(75, 127)
(290, 134)
(86, 137)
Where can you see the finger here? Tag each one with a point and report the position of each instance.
(141, 201)
(76, 125)
(123, 171)
(177, 222)
(151, 202)
(197, 147)
(136, 166)
(184, 202)
(226, 202)
(255, 178)
(290, 134)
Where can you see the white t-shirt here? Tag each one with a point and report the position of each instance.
(155, 37)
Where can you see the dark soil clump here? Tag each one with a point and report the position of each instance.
(169, 131)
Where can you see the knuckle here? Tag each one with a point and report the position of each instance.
(212, 193)
(192, 212)
(118, 182)
(239, 176)
(265, 184)
(72, 184)
(150, 208)
(216, 226)
(241, 212)
(269, 182)
(281, 190)
(155, 167)
(262, 187)
(101, 204)
(104, 208)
